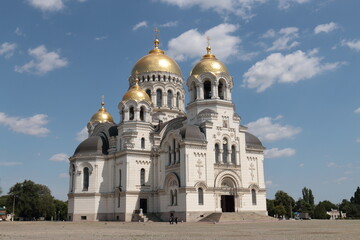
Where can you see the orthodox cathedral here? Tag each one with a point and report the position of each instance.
(164, 158)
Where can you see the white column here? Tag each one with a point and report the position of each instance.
(214, 92)
(137, 115)
(200, 91)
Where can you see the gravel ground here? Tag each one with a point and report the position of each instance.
(287, 230)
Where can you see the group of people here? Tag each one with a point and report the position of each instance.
(173, 220)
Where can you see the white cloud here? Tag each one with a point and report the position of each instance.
(7, 49)
(357, 110)
(328, 27)
(241, 8)
(139, 25)
(43, 61)
(301, 165)
(47, 5)
(101, 38)
(269, 34)
(7, 164)
(331, 164)
(268, 183)
(192, 43)
(285, 37)
(354, 44)
(290, 68)
(82, 135)
(271, 184)
(19, 32)
(285, 4)
(63, 175)
(32, 125)
(279, 153)
(267, 129)
(169, 24)
(59, 157)
(341, 179)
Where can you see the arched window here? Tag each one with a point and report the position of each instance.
(132, 114)
(72, 176)
(148, 92)
(193, 91)
(119, 178)
(118, 200)
(169, 99)
(178, 100)
(253, 195)
(142, 143)
(142, 114)
(200, 196)
(174, 150)
(86, 179)
(175, 197)
(217, 151)
(171, 197)
(169, 156)
(159, 98)
(221, 89)
(207, 89)
(142, 177)
(122, 115)
(225, 150)
(233, 154)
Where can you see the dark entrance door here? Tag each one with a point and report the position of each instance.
(227, 203)
(143, 204)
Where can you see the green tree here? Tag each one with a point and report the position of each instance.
(308, 205)
(61, 209)
(280, 211)
(32, 200)
(270, 206)
(321, 209)
(3, 202)
(356, 198)
(282, 198)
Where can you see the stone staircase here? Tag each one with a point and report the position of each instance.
(237, 217)
(145, 217)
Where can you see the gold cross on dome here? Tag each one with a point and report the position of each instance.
(156, 30)
(208, 40)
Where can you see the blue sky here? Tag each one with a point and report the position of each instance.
(295, 65)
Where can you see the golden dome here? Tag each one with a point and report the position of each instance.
(156, 61)
(136, 93)
(102, 115)
(208, 63)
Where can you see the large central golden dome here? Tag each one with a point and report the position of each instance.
(156, 61)
(208, 63)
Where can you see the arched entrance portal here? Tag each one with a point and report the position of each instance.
(228, 195)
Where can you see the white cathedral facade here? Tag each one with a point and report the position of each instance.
(164, 158)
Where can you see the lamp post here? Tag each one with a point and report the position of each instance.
(13, 210)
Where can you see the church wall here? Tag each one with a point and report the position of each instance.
(260, 202)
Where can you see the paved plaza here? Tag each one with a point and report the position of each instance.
(297, 230)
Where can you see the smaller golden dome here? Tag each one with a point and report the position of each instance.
(208, 63)
(136, 93)
(102, 115)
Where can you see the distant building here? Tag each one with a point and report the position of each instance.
(165, 159)
(335, 214)
(3, 215)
